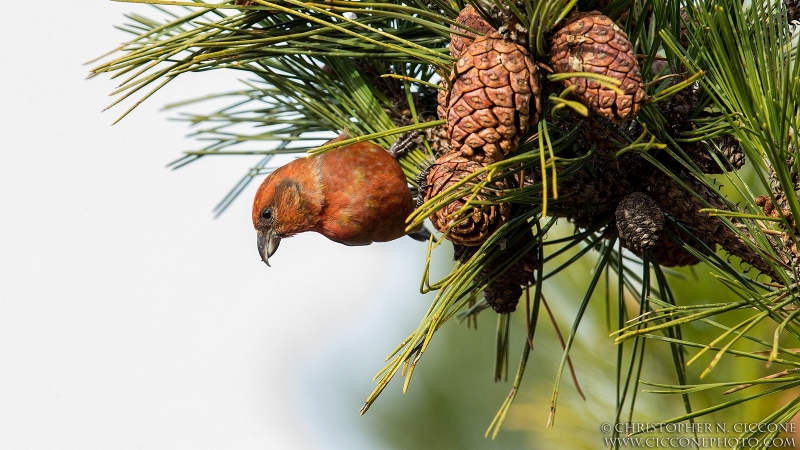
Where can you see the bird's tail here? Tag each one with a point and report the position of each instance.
(422, 235)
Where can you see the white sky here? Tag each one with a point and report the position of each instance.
(129, 318)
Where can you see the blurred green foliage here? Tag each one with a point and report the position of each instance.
(453, 398)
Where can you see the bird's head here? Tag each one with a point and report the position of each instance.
(289, 201)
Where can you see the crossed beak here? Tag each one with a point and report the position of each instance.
(267, 244)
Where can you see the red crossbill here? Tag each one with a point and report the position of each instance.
(354, 195)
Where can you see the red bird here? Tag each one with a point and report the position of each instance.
(354, 195)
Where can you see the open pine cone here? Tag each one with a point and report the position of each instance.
(482, 222)
(770, 210)
(732, 150)
(591, 42)
(493, 101)
(786, 247)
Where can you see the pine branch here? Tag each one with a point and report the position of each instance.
(721, 87)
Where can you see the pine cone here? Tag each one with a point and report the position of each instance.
(682, 205)
(471, 19)
(462, 253)
(493, 101)
(683, 37)
(478, 226)
(594, 191)
(610, 137)
(732, 151)
(669, 253)
(787, 249)
(586, 192)
(794, 176)
(439, 139)
(502, 13)
(770, 210)
(792, 9)
(782, 202)
(639, 222)
(731, 155)
(504, 292)
(591, 42)
(701, 155)
(441, 99)
(678, 108)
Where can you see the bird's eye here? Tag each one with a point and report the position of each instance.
(266, 214)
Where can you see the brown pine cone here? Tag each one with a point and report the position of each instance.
(593, 192)
(610, 137)
(591, 42)
(494, 99)
(504, 292)
(701, 155)
(685, 207)
(770, 210)
(476, 227)
(732, 151)
(678, 108)
(787, 249)
(639, 222)
(588, 194)
(794, 176)
(504, 14)
(441, 99)
(792, 9)
(439, 139)
(669, 253)
(471, 19)
(766, 204)
(683, 37)
(731, 155)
